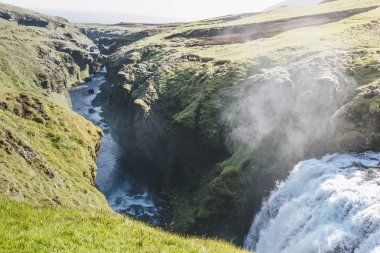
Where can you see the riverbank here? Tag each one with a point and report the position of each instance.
(125, 193)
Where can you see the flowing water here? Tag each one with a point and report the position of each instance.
(124, 193)
(328, 205)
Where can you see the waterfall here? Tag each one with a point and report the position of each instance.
(327, 205)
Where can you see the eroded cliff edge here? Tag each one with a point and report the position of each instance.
(45, 159)
(219, 110)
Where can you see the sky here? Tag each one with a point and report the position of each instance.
(155, 11)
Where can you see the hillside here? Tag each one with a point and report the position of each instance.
(26, 228)
(223, 108)
(48, 201)
(41, 58)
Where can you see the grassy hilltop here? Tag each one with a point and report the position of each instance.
(185, 96)
(48, 202)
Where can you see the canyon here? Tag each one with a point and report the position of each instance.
(203, 118)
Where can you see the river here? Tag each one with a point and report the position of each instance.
(124, 193)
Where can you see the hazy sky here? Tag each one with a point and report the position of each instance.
(148, 10)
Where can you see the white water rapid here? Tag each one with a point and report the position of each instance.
(330, 205)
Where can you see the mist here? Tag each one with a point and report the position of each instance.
(293, 103)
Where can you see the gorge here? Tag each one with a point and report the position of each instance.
(211, 106)
(124, 193)
(194, 128)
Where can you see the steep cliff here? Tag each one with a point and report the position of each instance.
(223, 108)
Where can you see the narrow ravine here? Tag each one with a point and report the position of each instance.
(125, 194)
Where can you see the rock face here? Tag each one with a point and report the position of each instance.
(60, 61)
(24, 18)
(90, 61)
(110, 38)
(106, 40)
(219, 124)
(358, 121)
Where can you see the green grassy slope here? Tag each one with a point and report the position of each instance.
(179, 88)
(45, 158)
(48, 201)
(29, 229)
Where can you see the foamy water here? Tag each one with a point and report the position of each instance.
(327, 205)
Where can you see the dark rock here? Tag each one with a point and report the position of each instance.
(370, 94)
(3, 106)
(68, 35)
(71, 69)
(38, 119)
(91, 110)
(91, 92)
(32, 21)
(88, 79)
(13, 190)
(6, 15)
(221, 62)
(49, 173)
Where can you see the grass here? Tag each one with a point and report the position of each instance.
(51, 161)
(290, 12)
(315, 37)
(29, 229)
(47, 153)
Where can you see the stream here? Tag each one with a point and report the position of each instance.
(125, 194)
